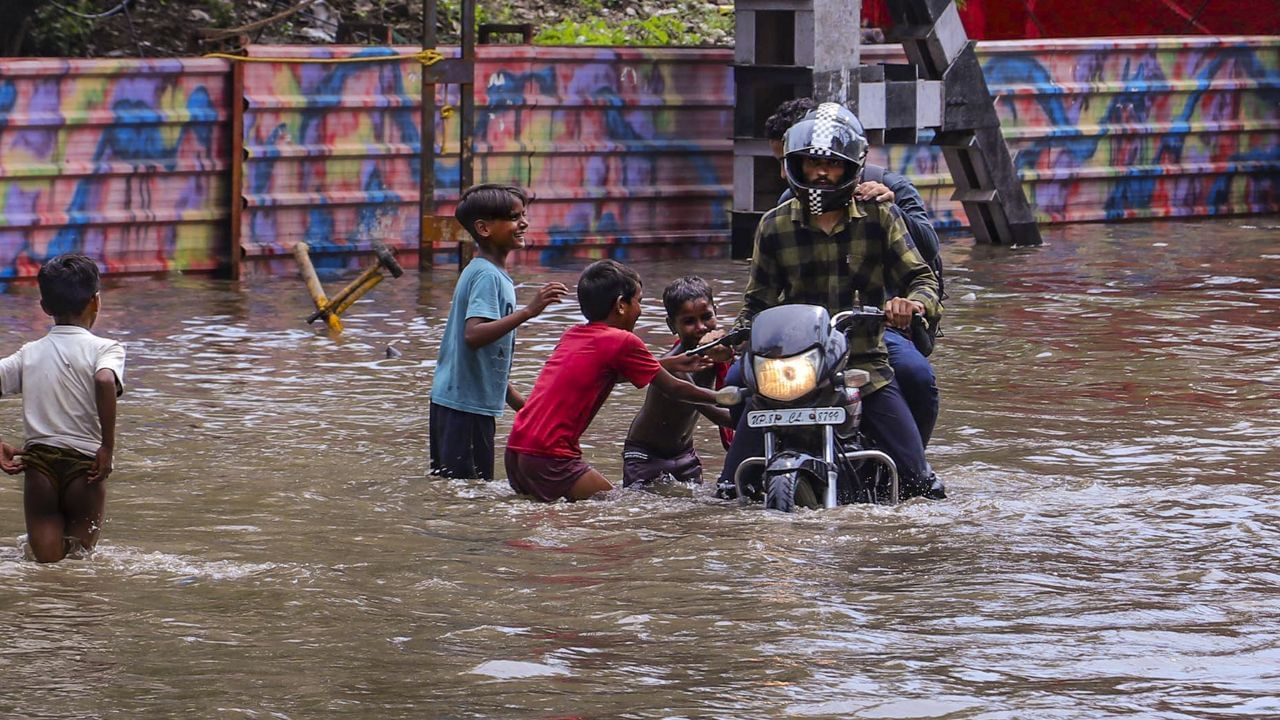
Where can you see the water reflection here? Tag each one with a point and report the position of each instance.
(273, 548)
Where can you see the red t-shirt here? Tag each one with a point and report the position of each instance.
(575, 382)
(726, 433)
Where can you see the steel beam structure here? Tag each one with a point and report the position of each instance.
(792, 48)
(460, 71)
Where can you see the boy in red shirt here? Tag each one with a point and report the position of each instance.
(543, 457)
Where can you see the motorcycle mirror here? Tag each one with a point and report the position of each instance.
(729, 395)
(856, 378)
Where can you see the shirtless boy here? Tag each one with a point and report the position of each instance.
(659, 444)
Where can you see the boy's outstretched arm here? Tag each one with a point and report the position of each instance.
(479, 332)
(681, 363)
(683, 390)
(684, 364)
(718, 415)
(104, 392)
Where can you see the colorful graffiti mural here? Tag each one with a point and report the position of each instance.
(1127, 127)
(126, 161)
(628, 150)
(331, 152)
(624, 147)
(621, 147)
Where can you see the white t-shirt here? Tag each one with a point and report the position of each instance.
(55, 377)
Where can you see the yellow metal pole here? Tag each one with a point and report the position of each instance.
(301, 252)
(349, 299)
(361, 279)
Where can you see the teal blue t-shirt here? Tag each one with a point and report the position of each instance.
(475, 381)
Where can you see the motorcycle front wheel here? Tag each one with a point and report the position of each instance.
(788, 491)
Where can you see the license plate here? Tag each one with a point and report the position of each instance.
(799, 416)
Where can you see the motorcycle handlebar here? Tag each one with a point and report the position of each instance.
(843, 320)
(732, 338)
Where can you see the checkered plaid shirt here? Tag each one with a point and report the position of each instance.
(796, 262)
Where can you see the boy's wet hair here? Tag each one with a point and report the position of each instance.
(489, 201)
(600, 286)
(683, 290)
(788, 113)
(67, 283)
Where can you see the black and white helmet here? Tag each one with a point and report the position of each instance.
(829, 131)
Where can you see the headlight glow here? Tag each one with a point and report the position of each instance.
(787, 378)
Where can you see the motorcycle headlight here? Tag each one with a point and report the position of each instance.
(788, 378)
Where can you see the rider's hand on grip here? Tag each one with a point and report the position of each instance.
(898, 312)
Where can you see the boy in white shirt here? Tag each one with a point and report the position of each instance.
(69, 381)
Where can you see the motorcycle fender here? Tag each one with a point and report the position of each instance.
(794, 462)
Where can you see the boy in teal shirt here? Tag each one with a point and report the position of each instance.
(471, 383)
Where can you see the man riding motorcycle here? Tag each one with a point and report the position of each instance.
(826, 248)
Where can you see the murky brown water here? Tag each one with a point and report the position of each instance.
(273, 549)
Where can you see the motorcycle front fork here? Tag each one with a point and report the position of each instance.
(831, 497)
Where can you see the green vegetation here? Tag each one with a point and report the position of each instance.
(704, 28)
(160, 28)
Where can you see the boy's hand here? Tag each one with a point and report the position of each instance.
(717, 354)
(10, 462)
(101, 466)
(547, 294)
(681, 363)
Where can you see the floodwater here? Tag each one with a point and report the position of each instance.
(273, 548)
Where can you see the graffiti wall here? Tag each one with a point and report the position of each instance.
(126, 161)
(620, 146)
(331, 151)
(1126, 127)
(627, 150)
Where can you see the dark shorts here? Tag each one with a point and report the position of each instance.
(61, 465)
(546, 478)
(639, 465)
(461, 443)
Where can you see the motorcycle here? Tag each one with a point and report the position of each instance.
(810, 408)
